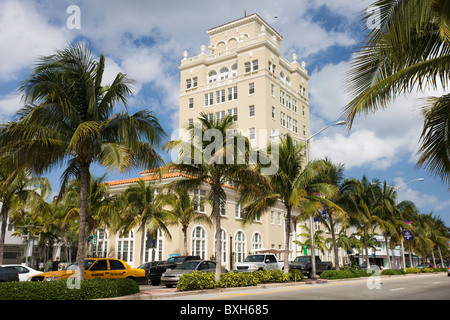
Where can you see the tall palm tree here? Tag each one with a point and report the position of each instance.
(408, 50)
(359, 200)
(68, 121)
(292, 184)
(182, 207)
(145, 211)
(211, 157)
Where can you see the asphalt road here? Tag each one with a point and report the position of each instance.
(414, 287)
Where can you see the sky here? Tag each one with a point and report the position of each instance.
(145, 39)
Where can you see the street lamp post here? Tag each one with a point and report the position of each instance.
(311, 231)
(401, 229)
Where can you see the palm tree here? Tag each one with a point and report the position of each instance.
(182, 207)
(291, 184)
(408, 50)
(211, 157)
(359, 200)
(144, 210)
(68, 121)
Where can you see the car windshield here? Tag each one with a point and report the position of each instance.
(256, 258)
(87, 264)
(302, 259)
(188, 265)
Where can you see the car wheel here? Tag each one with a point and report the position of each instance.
(169, 285)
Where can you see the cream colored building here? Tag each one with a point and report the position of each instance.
(242, 73)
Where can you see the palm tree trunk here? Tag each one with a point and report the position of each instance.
(287, 231)
(84, 180)
(366, 247)
(142, 243)
(387, 250)
(216, 211)
(333, 237)
(185, 240)
(4, 212)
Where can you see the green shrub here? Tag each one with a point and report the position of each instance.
(392, 272)
(427, 270)
(197, 281)
(296, 275)
(64, 290)
(237, 279)
(412, 270)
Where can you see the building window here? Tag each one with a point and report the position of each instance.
(237, 211)
(199, 242)
(294, 105)
(289, 122)
(256, 241)
(191, 103)
(125, 246)
(282, 119)
(272, 90)
(232, 93)
(190, 122)
(220, 96)
(294, 126)
(303, 111)
(251, 88)
(220, 115)
(252, 134)
(282, 98)
(251, 66)
(255, 65)
(233, 113)
(100, 249)
(209, 99)
(248, 67)
(272, 217)
(304, 130)
(288, 102)
(212, 76)
(224, 242)
(234, 68)
(273, 113)
(251, 111)
(239, 246)
(279, 218)
(223, 73)
(199, 201)
(191, 83)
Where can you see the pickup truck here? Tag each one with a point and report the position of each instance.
(255, 262)
(7, 275)
(303, 263)
(154, 276)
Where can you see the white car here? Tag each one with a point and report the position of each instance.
(24, 271)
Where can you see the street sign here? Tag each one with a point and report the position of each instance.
(92, 239)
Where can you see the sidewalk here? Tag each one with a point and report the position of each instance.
(155, 293)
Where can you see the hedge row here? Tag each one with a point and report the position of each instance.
(348, 273)
(68, 289)
(206, 280)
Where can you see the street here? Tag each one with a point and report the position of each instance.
(415, 287)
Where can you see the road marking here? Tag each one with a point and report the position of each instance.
(397, 289)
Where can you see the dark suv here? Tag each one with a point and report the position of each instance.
(155, 272)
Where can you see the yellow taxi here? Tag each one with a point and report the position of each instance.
(96, 268)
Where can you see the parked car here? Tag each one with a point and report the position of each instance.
(147, 266)
(7, 275)
(425, 265)
(372, 266)
(303, 263)
(171, 277)
(24, 271)
(96, 268)
(256, 262)
(155, 273)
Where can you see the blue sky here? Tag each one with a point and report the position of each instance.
(146, 40)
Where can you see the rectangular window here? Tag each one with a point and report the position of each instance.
(303, 111)
(252, 134)
(237, 211)
(272, 217)
(272, 90)
(191, 103)
(191, 121)
(248, 67)
(294, 126)
(199, 201)
(188, 83)
(251, 88)
(289, 122)
(282, 98)
(288, 102)
(282, 119)
(294, 105)
(220, 115)
(209, 99)
(251, 111)
(232, 93)
(255, 65)
(304, 130)
(273, 113)
(194, 82)
(220, 96)
(233, 113)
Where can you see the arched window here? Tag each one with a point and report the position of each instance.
(199, 242)
(239, 246)
(234, 68)
(224, 242)
(212, 76)
(256, 241)
(223, 74)
(125, 247)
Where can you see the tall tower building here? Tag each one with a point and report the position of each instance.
(242, 73)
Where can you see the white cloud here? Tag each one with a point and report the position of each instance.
(9, 104)
(24, 36)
